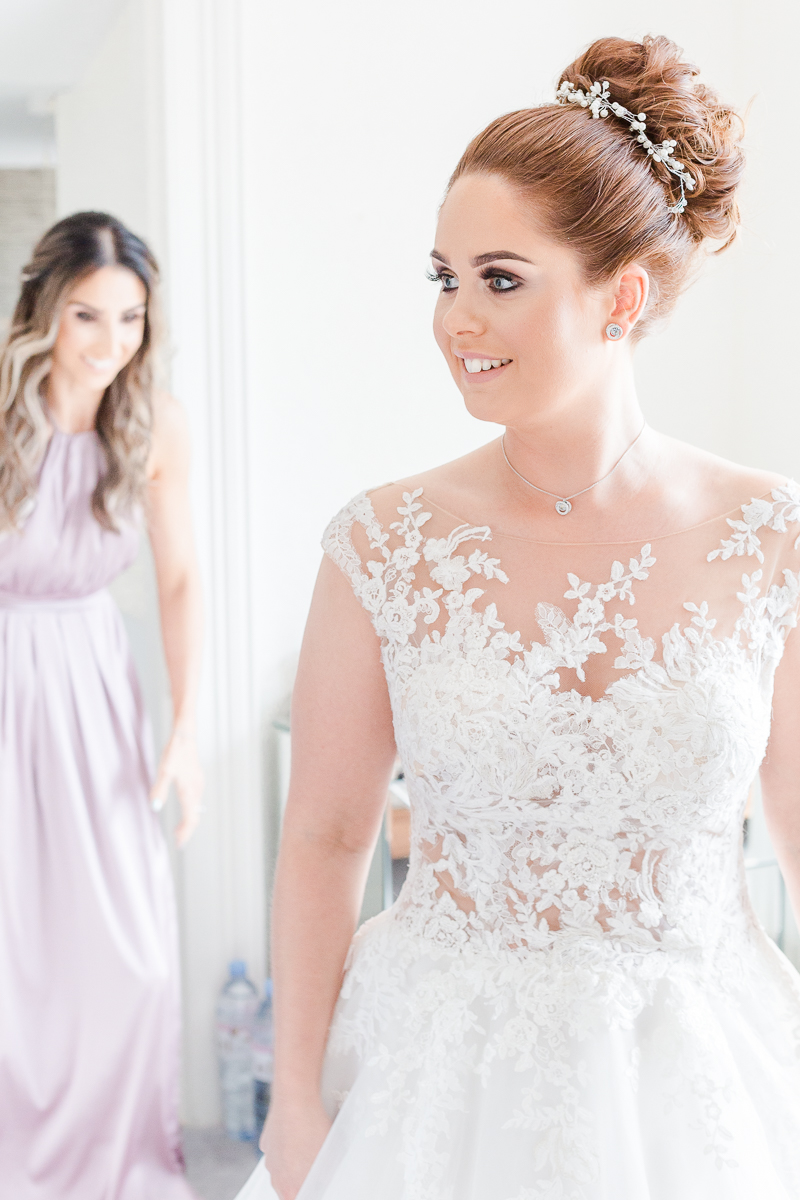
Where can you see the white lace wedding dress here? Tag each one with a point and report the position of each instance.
(571, 999)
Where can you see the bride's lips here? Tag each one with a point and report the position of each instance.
(466, 357)
(481, 357)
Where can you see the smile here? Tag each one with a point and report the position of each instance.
(474, 365)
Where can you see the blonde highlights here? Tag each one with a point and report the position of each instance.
(73, 249)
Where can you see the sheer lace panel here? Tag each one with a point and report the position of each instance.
(579, 723)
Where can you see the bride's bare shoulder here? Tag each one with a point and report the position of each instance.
(709, 482)
(453, 486)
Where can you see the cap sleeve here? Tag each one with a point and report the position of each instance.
(780, 556)
(767, 533)
(357, 543)
(786, 525)
(381, 559)
(337, 541)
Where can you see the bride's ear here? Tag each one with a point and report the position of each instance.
(632, 287)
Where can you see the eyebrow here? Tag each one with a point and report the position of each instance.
(482, 259)
(83, 304)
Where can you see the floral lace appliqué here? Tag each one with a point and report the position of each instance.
(573, 859)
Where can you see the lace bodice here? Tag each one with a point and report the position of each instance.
(579, 725)
(571, 999)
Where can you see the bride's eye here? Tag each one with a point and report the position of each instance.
(449, 282)
(499, 282)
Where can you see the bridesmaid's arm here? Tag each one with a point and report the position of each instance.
(780, 771)
(342, 756)
(180, 603)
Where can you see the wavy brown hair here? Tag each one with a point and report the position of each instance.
(74, 248)
(595, 188)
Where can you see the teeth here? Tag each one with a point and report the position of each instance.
(475, 365)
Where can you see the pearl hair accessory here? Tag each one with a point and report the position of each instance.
(597, 99)
(614, 332)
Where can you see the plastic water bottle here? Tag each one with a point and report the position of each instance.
(263, 1056)
(236, 1009)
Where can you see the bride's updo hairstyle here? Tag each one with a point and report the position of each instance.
(594, 186)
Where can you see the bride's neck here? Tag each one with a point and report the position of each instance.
(571, 446)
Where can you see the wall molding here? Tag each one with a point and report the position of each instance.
(221, 876)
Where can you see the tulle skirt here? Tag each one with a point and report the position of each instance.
(586, 1071)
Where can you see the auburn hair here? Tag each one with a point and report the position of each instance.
(595, 187)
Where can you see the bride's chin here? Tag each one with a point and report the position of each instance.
(485, 408)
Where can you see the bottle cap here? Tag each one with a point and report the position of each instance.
(238, 968)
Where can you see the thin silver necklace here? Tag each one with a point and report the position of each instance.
(562, 505)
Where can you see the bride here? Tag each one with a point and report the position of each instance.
(579, 640)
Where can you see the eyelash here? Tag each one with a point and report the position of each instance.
(87, 316)
(487, 273)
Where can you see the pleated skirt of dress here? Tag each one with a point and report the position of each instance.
(89, 1002)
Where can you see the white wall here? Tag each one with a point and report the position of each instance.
(108, 127)
(224, 871)
(291, 189)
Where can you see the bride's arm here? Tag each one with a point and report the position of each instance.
(780, 771)
(342, 755)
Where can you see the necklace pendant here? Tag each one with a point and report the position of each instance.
(563, 507)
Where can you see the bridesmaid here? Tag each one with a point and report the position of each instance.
(89, 1018)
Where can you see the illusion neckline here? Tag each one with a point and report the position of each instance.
(637, 541)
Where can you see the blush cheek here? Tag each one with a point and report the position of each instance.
(128, 355)
(68, 347)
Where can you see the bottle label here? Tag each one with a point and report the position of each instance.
(232, 1040)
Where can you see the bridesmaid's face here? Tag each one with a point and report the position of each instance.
(511, 295)
(101, 327)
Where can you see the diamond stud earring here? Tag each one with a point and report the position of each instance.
(614, 332)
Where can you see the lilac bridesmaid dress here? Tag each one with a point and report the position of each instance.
(89, 1006)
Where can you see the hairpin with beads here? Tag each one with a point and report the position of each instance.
(600, 104)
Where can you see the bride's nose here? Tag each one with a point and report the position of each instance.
(463, 317)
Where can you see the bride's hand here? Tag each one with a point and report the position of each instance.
(180, 764)
(292, 1139)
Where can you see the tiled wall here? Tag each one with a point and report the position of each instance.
(27, 208)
